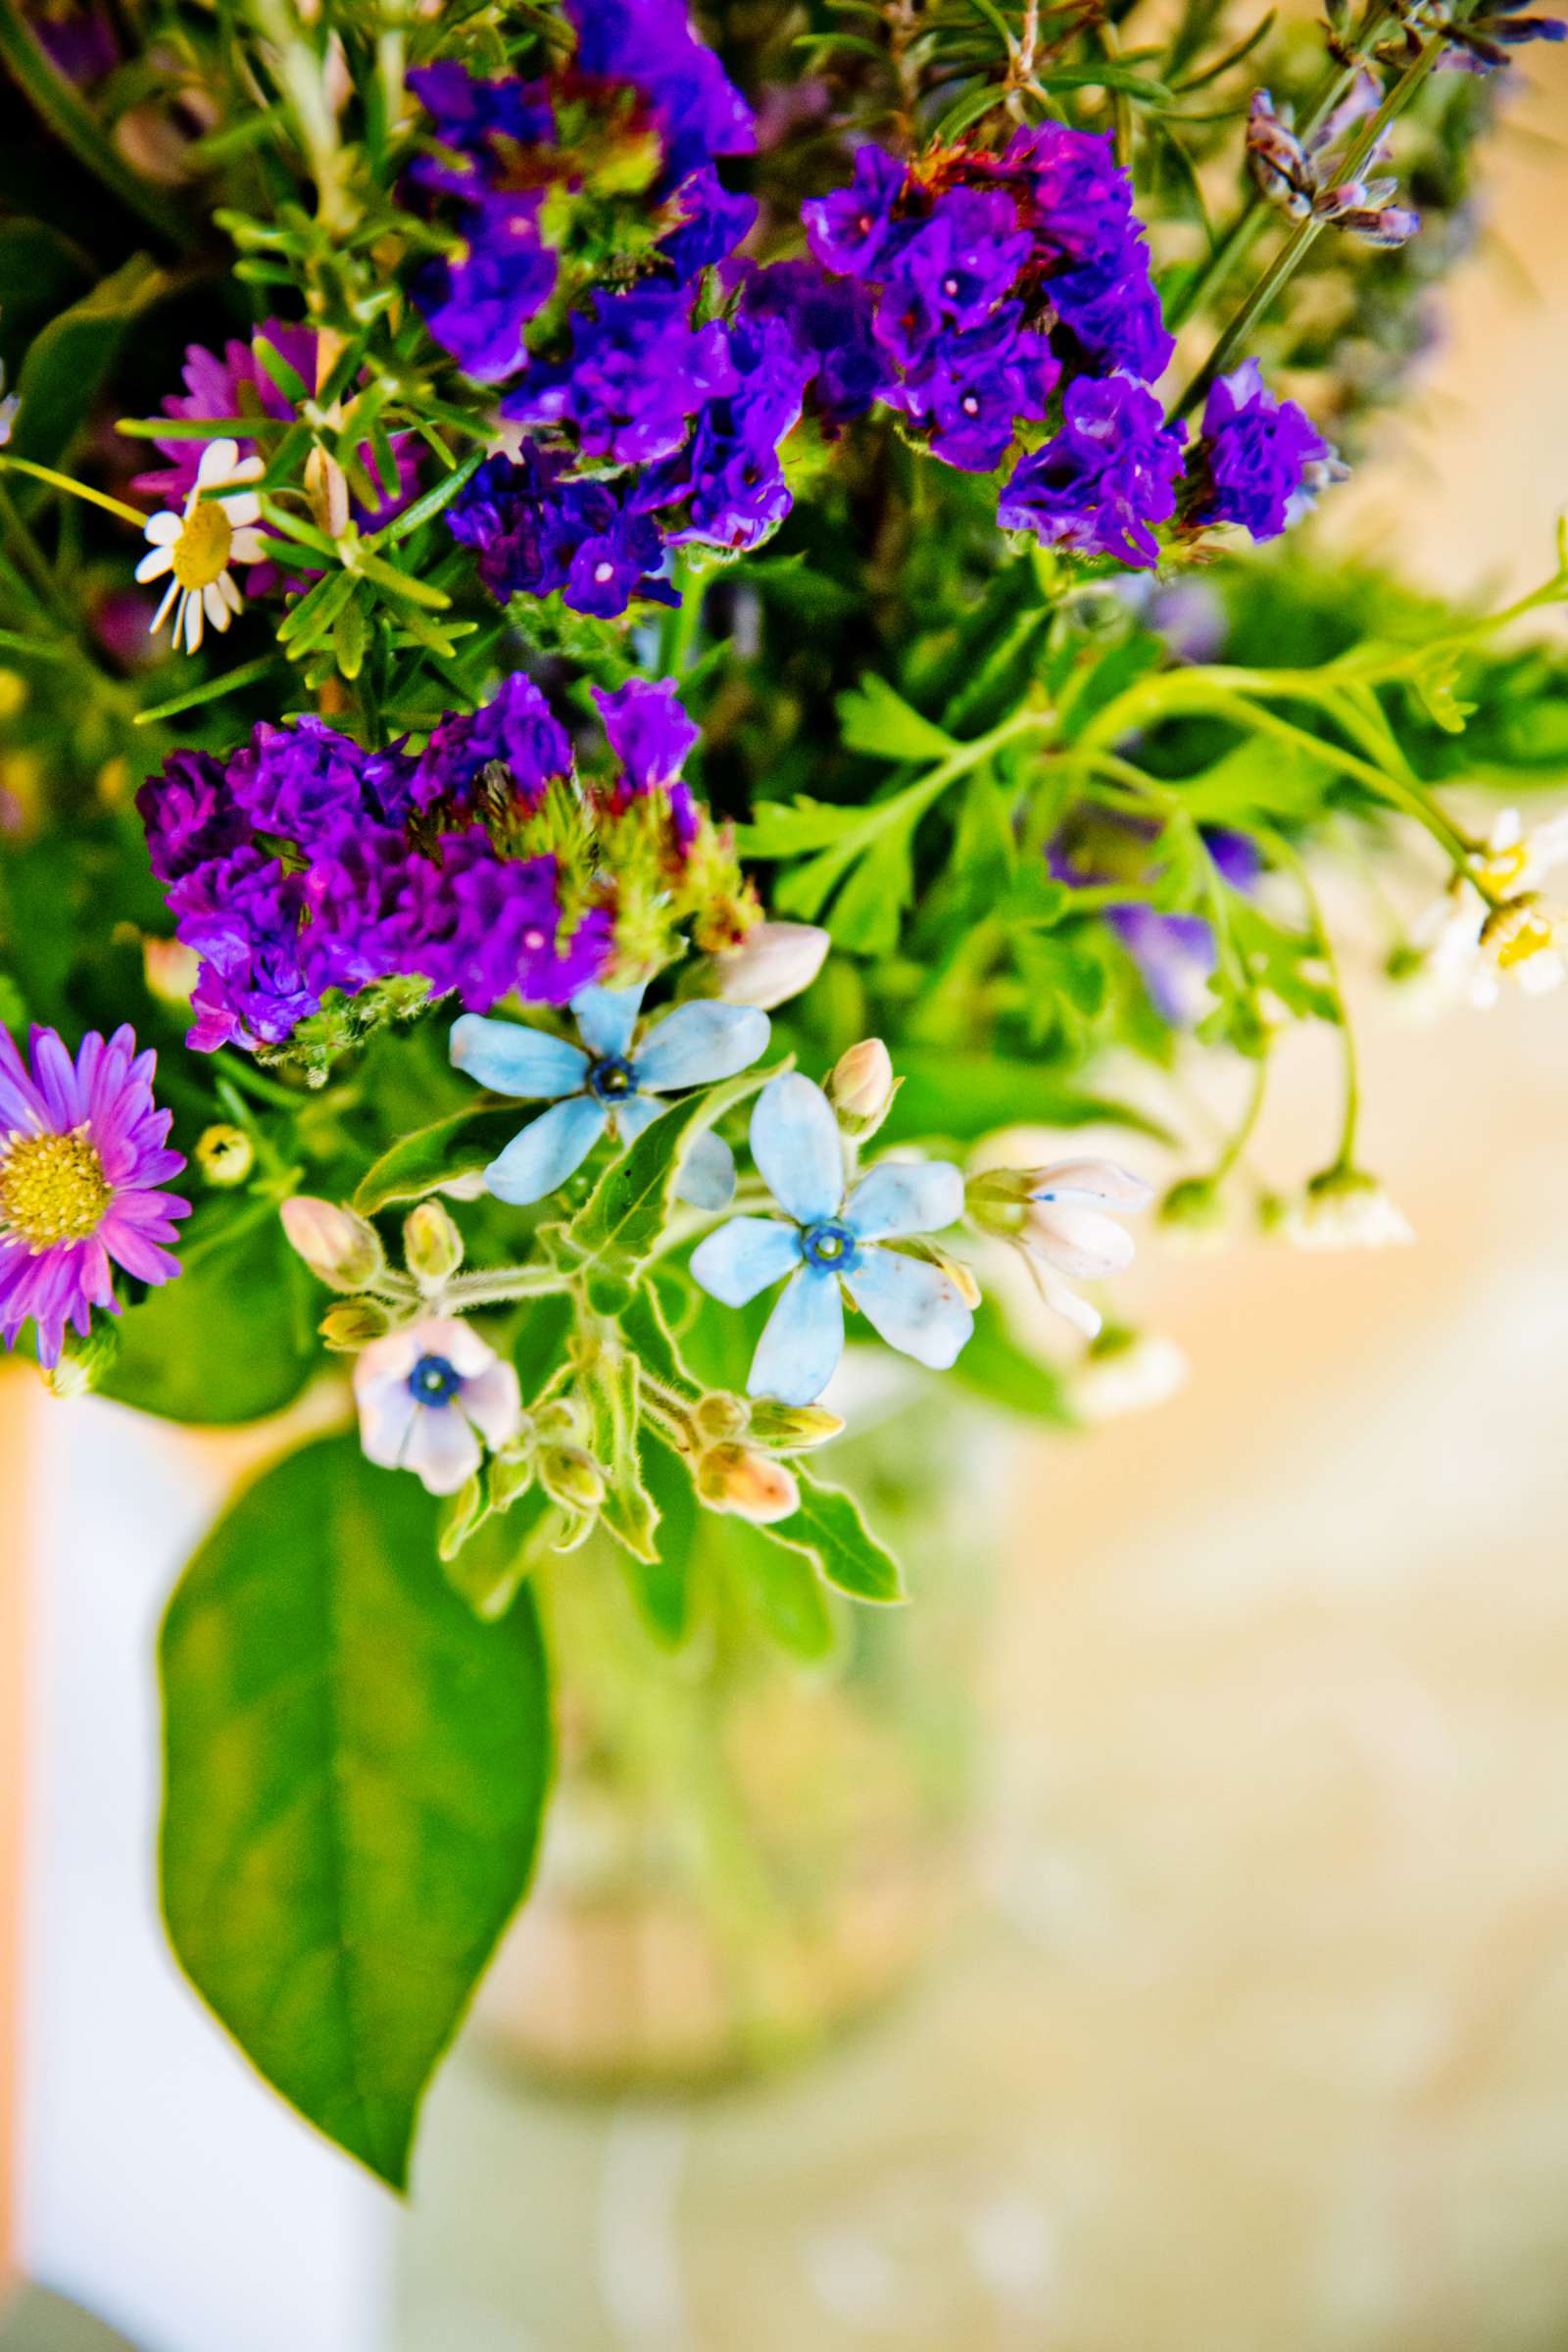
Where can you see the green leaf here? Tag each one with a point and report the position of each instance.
(178, 1354)
(625, 1214)
(462, 1145)
(784, 1588)
(873, 718)
(68, 362)
(661, 1586)
(786, 828)
(491, 1564)
(611, 1382)
(355, 1770)
(829, 1531)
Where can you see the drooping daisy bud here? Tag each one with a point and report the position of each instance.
(339, 1247)
(1344, 1209)
(773, 962)
(224, 1154)
(752, 1485)
(433, 1246)
(860, 1088)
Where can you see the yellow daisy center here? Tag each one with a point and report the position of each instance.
(201, 552)
(52, 1188)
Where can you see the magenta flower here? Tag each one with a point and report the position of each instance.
(82, 1151)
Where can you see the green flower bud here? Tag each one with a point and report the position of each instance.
(354, 1324)
(571, 1477)
(339, 1247)
(224, 1154)
(84, 1363)
(792, 1428)
(1195, 1206)
(433, 1246)
(511, 1474)
(722, 1415)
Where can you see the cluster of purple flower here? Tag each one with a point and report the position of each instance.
(305, 865)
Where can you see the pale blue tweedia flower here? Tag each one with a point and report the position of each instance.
(831, 1240)
(608, 1085)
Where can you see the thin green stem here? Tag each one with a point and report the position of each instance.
(76, 489)
(1247, 1127)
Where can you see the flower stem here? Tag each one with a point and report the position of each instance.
(62, 481)
(1304, 235)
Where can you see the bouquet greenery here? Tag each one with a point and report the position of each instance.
(675, 679)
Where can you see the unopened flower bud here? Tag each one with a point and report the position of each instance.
(224, 1154)
(792, 1428)
(513, 1473)
(353, 1324)
(433, 1246)
(170, 970)
(1344, 1209)
(327, 489)
(571, 1478)
(1520, 936)
(559, 1418)
(1196, 1210)
(861, 1087)
(753, 1486)
(773, 961)
(719, 1416)
(338, 1246)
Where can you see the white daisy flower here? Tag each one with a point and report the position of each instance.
(198, 545)
(1463, 953)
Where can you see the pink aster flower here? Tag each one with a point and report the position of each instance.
(82, 1153)
(426, 1397)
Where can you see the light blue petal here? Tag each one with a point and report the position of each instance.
(795, 1142)
(744, 1256)
(634, 1112)
(547, 1150)
(516, 1061)
(606, 1017)
(916, 1308)
(708, 1176)
(697, 1045)
(804, 1337)
(898, 1199)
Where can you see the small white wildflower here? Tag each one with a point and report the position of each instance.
(198, 545)
(1344, 1209)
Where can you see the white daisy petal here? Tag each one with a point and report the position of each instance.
(162, 530)
(248, 546)
(162, 614)
(217, 613)
(245, 508)
(155, 563)
(218, 461)
(190, 614)
(229, 593)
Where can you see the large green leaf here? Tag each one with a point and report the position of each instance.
(625, 1214)
(68, 362)
(462, 1145)
(180, 1354)
(355, 1772)
(873, 718)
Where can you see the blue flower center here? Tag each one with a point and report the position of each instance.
(828, 1245)
(611, 1079)
(433, 1381)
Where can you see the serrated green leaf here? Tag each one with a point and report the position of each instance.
(873, 718)
(355, 1770)
(829, 1531)
(625, 1216)
(786, 828)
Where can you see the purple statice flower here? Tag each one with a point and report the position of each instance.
(515, 727)
(951, 271)
(710, 224)
(83, 1156)
(829, 322)
(1092, 262)
(306, 782)
(651, 44)
(971, 389)
(478, 305)
(1098, 483)
(500, 929)
(728, 477)
(651, 735)
(535, 529)
(190, 814)
(1259, 460)
(243, 915)
(850, 230)
(481, 122)
(639, 371)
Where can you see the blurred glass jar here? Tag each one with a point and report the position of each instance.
(747, 1849)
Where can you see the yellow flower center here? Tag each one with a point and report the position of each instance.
(201, 552)
(1533, 938)
(52, 1188)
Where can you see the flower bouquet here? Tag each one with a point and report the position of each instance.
(631, 651)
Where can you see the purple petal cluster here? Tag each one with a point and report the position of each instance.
(1100, 482)
(305, 865)
(651, 44)
(1259, 461)
(1175, 953)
